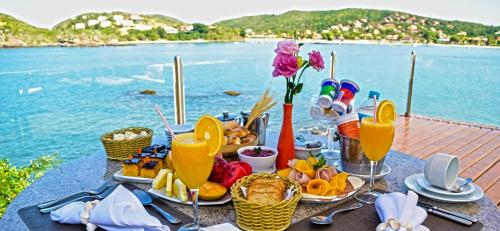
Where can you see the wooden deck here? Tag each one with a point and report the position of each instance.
(477, 147)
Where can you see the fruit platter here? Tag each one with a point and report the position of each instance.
(215, 191)
(320, 182)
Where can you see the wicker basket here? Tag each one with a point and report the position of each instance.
(252, 216)
(120, 150)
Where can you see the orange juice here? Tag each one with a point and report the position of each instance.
(376, 139)
(191, 160)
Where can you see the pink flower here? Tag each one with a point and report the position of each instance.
(287, 47)
(316, 60)
(285, 65)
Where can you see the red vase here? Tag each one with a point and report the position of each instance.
(286, 142)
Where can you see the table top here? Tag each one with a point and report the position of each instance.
(91, 171)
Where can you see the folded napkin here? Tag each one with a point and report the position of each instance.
(121, 210)
(220, 227)
(400, 212)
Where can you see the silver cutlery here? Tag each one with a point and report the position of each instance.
(449, 217)
(101, 196)
(457, 214)
(461, 188)
(92, 192)
(147, 200)
(326, 220)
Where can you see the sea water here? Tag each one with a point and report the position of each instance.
(61, 100)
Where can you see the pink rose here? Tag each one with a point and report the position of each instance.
(287, 47)
(285, 65)
(316, 60)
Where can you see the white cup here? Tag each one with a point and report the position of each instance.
(441, 170)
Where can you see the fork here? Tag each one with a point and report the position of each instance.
(92, 197)
(92, 192)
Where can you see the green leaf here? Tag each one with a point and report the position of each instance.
(298, 88)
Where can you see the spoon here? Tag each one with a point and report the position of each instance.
(326, 220)
(461, 188)
(147, 200)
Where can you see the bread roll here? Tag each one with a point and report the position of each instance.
(230, 125)
(267, 191)
(233, 140)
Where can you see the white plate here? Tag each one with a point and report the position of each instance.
(271, 170)
(411, 183)
(309, 198)
(119, 176)
(425, 184)
(386, 169)
(161, 193)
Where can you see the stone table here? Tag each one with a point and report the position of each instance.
(91, 171)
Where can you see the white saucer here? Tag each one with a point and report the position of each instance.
(386, 169)
(425, 184)
(271, 170)
(411, 183)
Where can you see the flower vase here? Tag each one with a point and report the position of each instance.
(286, 142)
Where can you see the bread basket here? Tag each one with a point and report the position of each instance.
(253, 216)
(232, 149)
(121, 149)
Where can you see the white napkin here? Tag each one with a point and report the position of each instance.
(220, 227)
(399, 209)
(121, 210)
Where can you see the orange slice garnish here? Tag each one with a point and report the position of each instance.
(210, 129)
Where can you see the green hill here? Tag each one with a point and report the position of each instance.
(14, 32)
(380, 25)
(363, 24)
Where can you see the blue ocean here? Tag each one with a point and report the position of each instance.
(61, 100)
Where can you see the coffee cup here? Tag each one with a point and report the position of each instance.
(441, 170)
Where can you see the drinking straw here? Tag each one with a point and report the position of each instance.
(374, 109)
(157, 109)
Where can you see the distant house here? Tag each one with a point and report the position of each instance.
(357, 24)
(142, 27)
(127, 23)
(136, 17)
(186, 27)
(105, 23)
(443, 40)
(102, 18)
(92, 22)
(79, 26)
(462, 33)
(118, 17)
(170, 30)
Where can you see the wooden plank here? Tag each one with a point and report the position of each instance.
(480, 153)
(489, 178)
(473, 134)
(430, 134)
(434, 147)
(430, 144)
(475, 144)
(493, 193)
(481, 166)
(412, 134)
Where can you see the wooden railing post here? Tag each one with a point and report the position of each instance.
(410, 85)
(179, 110)
(332, 65)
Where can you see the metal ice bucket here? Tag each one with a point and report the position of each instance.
(353, 159)
(259, 126)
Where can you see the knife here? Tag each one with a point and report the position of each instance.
(457, 214)
(449, 217)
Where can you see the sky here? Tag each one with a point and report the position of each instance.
(47, 13)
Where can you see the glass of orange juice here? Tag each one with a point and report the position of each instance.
(376, 140)
(193, 158)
